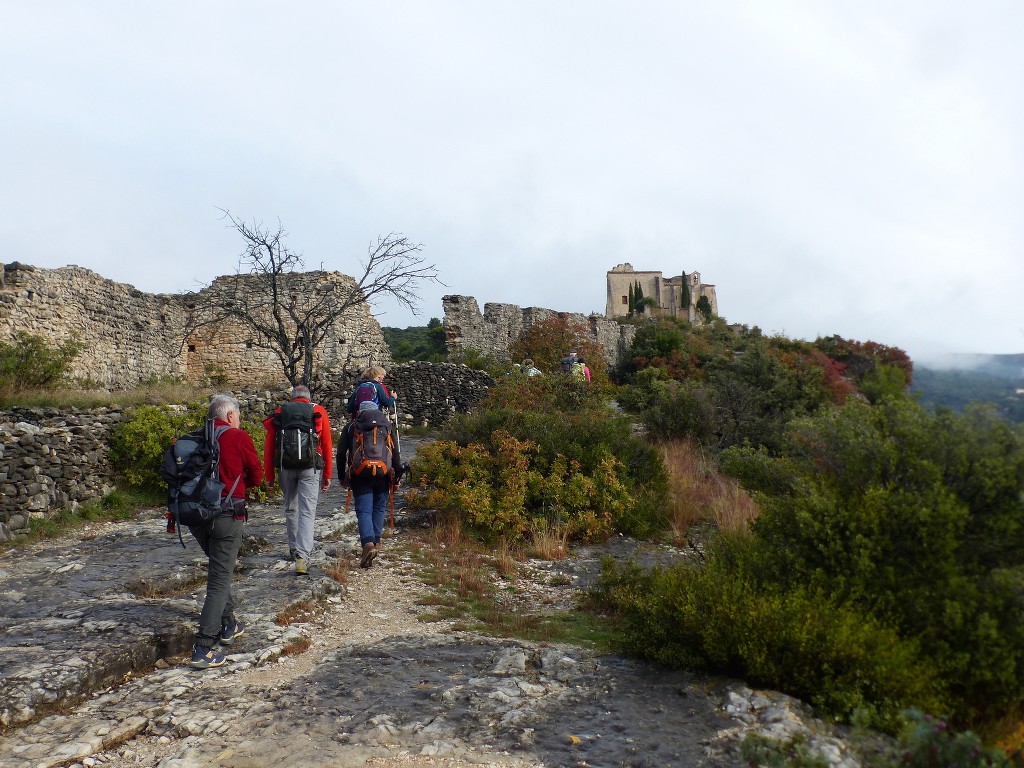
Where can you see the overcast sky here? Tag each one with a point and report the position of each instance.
(850, 168)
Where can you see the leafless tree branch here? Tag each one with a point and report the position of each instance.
(290, 317)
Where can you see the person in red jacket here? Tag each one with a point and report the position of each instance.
(300, 487)
(220, 539)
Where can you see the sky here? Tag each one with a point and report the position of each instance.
(831, 167)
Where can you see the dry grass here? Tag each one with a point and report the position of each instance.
(338, 570)
(549, 542)
(506, 559)
(297, 646)
(157, 393)
(698, 493)
(169, 588)
(456, 559)
(299, 612)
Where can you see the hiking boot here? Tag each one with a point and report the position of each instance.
(369, 553)
(204, 658)
(291, 554)
(300, 567)
(230, 632)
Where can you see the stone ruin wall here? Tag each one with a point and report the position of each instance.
(494, 331)
(131, 337)
(53, 459)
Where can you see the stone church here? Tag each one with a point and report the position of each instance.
(675, 296)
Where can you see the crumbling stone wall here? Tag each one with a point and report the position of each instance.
(130, 336)
(494, 331)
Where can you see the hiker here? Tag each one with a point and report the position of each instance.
(568, 360)
(528, 369)
(579, 370)
(301, 475)
(220, 539)
(375, 390)
(371, 486)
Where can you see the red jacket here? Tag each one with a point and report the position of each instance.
(238, 459)
(323, 432)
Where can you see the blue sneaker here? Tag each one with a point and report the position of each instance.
(230, 632)
(204, 658)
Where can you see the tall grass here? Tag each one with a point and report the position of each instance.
(156, 393)
(698, 493)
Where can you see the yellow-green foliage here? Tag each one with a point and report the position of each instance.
(137, 444)
(502, 493)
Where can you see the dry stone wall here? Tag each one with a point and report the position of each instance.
(50, 460)
(130, 337)
(494, 331)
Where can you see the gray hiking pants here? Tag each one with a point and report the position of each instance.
(301, 489)
(220, 541)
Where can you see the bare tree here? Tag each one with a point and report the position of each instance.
(289, 313)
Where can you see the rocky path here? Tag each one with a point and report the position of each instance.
(94, 631)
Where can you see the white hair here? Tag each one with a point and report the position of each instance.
(222, 405)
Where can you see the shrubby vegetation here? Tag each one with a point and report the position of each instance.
(32, 362)
(956, 389)
(886, 567)
(539, 453)
(424, 343)
(138, 443)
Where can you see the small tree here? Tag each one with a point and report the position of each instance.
(638, 296)
(266, 298)
(704, 307)
(632, 301)
(32, 362)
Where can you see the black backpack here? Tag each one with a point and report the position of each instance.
(297, 440)
(190, 469)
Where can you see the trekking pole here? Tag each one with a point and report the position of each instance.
(348, 498)
(394, 481)
(398, 437)
(391, 501)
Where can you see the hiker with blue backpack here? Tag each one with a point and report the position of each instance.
(233, 467)
(370, 387)
(299, 450)
(369, 464)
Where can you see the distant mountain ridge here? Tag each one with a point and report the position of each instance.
(1004, 366)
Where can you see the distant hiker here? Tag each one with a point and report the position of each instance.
(568, 360)
(368, 463)
(371, 387)
(528, 369)
(299, 449)
(220, 539)
(579, 370)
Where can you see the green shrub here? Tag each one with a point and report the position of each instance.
(928, 742)
(720, 617)
(545, 448)
(918, 521)
(138, 443)
(32, 362)
(505, 492)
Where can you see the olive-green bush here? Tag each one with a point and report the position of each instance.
(718, 617)
(33, 361)
(138, 443)
(581, 460)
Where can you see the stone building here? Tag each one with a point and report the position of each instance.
(129, 337)
(675, 296)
